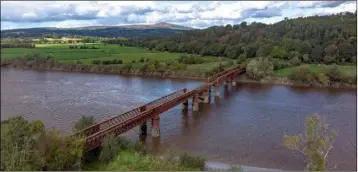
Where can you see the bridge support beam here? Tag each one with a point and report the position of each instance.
(196, 103)
(143, 129)
(155, 126)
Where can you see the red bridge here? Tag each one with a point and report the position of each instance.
(117, 125)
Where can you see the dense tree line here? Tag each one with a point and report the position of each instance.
(315, 39)
(96, 32)
(18, 45)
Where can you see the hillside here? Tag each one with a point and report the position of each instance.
(158, 29)
(315, 39)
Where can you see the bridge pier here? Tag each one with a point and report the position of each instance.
(185, 105)
(196, 103)
(205, 96)
(155, 126)
(143, 129)
(217, 93)
(233, 82)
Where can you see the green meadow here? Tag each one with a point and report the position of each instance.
(132, 55)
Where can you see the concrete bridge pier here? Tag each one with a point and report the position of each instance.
(226, 83)
(196, 103)
(185, 105)
(217, 93)
(233, 82)
(205, 96)
(155, 126)
(143, 129)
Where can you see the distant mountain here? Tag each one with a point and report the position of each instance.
(158, 29)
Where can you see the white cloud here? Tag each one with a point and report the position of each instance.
(194, 14)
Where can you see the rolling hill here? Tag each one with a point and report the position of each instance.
(158, 29)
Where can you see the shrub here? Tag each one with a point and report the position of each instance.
(133, 61)
(259, 68)
(110, 148)
(96, 62)
(127, 66)
(192, 162)
(191, 59)
(333, 73)
(119, 61)
(141, 60)
(241, 58)
(280, 64)
(295, 61)
(114, 61)
(106, 62)
(322, 78)
(302, 74)
(83, 122)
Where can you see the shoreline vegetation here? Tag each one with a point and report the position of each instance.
(273, 78)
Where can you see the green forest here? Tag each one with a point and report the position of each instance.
(316, 39)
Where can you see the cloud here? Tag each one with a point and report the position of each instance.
(198, 14)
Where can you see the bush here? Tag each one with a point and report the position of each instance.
(192, 162)
(191, 59)
(259, 68)
(110, 148)
(96, 62)
(295, 61)
(241, 58)
(114, 61)
(333, 73)
(83, 122)
(119, 61)
(127, 67)
(106, 62)
(280, 64)
(302, 74)
(133, 61)
(322, 78)
(141, 60)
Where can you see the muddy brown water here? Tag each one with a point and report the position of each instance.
(244, 126)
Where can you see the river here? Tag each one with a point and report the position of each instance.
(244, 126)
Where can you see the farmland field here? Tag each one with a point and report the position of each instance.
(64, 54)
(316, 69)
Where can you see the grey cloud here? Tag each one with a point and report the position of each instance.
(331, 4)
(261, 13)
(326, 4)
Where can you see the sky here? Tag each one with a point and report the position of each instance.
(196, 14)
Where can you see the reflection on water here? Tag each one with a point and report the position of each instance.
(245, 125)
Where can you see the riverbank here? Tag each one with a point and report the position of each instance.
(134, 72)
(288, 82)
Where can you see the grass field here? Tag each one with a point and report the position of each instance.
(316, 69)
(64, 54)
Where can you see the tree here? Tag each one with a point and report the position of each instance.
(259, 68)
(334, 73)
(110, 148)
(346, 50)
(83, 122)
(315, 145)
(19, 140)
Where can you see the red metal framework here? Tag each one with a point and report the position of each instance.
(95, 140)
(126, 115)
(119, 124)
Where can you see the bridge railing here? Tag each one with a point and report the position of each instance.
(214, 77)
(126, 115)
(95, 139)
